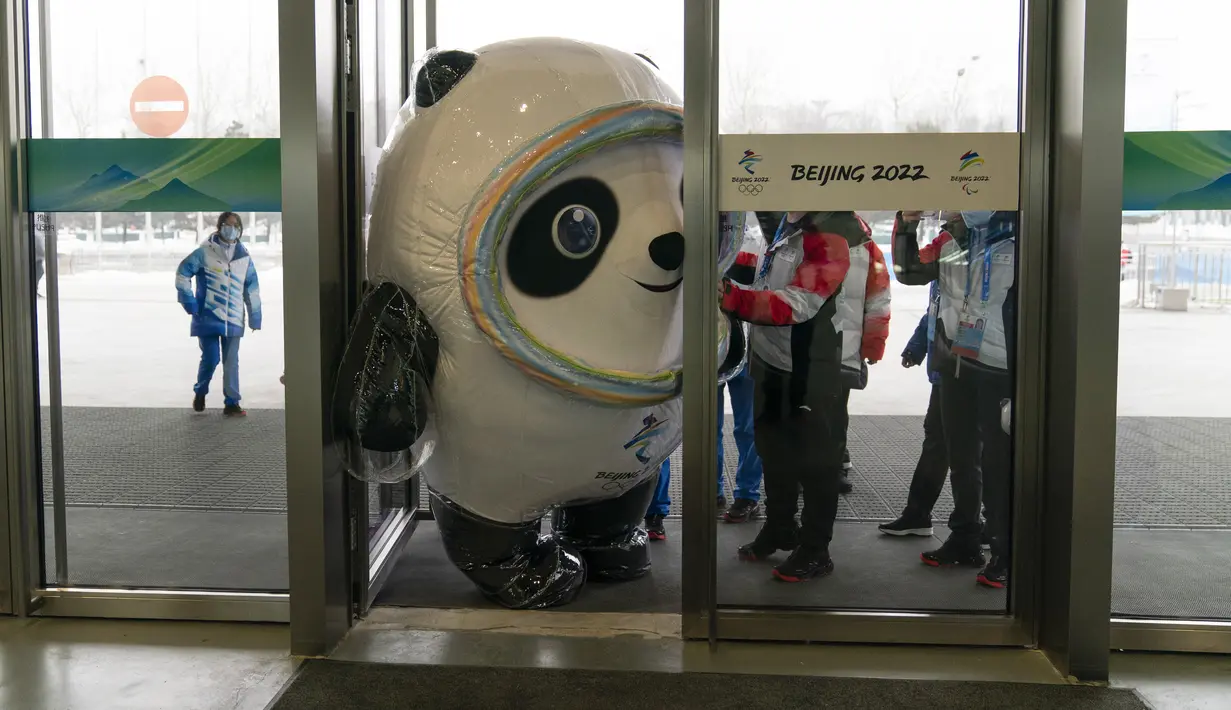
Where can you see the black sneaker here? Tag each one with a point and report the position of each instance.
(954, 552)
(234, 410)
(995, 574)
(654, 527)
(768, 541)
(722, 503)
(844, 482)
(198, 403)
(806, 562)
(743, 511)
(904, 526)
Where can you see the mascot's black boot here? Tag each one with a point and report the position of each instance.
(513, 565)
(608, 534)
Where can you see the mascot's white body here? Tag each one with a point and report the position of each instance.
(528, 203)
(509, 447)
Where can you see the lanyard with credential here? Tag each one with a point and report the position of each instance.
(987, 274)
(779, 237)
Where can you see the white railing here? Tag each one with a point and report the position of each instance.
(1203, 269)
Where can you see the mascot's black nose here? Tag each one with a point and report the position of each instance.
(667, 251)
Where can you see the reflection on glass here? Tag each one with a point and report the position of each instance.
(814, 289)
(1173, 482)
(1174, 426)
(158, 495)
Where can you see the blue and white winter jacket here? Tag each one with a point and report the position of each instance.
(226, 285)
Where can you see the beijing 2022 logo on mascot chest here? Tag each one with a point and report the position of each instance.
(521, 335)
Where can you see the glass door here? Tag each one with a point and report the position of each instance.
(863, 179)
(383, 493)
(1173, 481)
(160, 460)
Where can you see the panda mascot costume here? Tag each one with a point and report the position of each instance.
(521, 330)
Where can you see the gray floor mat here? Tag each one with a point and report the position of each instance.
(336, 685)
(1171, 472)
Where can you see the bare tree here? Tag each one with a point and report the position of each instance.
(79, 110)
(742, 111)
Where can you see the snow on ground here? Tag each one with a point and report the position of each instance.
(125, 343)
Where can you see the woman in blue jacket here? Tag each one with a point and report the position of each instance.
(226, 289)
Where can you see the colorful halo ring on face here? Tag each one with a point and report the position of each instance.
(487, 225)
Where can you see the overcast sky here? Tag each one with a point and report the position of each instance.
(857, 56)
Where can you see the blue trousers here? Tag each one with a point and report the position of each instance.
(213, 348)
(748, 474)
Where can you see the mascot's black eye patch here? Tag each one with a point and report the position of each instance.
(561, 237)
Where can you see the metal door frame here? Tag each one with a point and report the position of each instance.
(1045, 93)
(703, 616)
(24, 591)
(372, 559)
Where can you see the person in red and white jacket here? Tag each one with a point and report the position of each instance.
(863, 319)
(796, 366)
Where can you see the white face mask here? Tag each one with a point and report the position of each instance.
(229, 233)
(977, 218)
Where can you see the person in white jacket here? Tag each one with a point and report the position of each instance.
(862, 316)
(973, 262)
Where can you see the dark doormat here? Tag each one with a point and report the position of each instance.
(339, 685)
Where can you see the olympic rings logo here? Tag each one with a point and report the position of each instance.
(750, 188)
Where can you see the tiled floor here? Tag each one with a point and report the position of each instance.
(65, 664)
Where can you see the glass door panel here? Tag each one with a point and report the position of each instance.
(856, 464)
(382, 512)
(163, 459)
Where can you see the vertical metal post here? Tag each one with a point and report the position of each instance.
(1087, 158)
(311, 85)
(52, 262)
(429, 18)
(699, 603)
(382, 101)
(408, 46)
(1032, 248)
(1143, 273)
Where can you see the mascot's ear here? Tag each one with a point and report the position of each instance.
(440, 73)
(647, 60)
(381, 395)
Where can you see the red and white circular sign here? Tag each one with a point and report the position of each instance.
(159, 106)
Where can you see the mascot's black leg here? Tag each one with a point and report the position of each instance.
(608, 534)
(513, 565)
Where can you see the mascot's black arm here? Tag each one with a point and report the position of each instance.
(381, 394)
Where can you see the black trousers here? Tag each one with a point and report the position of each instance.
(979, 453)
(933, 466)
(798, 438)
(844, 420)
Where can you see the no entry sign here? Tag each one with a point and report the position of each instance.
(159, 106)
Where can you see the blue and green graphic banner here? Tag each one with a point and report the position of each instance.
(1163, 170)
(1177, 170)
(154, 175)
